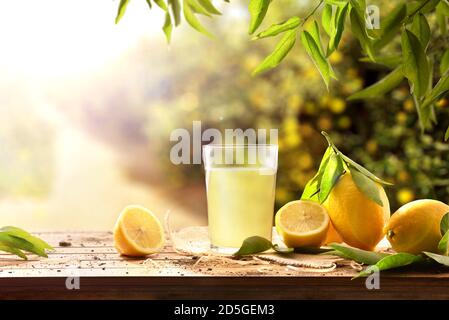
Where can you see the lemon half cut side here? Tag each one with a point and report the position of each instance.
(138, 232)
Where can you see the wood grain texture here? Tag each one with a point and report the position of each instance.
(103, 274)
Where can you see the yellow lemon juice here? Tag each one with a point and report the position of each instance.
(240, 204)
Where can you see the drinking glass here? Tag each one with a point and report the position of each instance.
(240, 184)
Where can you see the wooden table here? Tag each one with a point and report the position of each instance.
(91, 260)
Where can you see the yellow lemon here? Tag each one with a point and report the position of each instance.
(357, 219)
(332, 235)
(415, 226)
(138, 232)
(302, 223)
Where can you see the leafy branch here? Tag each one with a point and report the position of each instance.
(335, 164)
(416, 24)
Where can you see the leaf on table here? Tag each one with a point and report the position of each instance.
(415, 63)
(20, 233)
(444, 260)
(420, 27)
(257, 10)
(393, 261)
(334, 169)
(192, 20)
(280, 52)
(254, 244)
(358, 255)
(314, 50)
(121, 10)
(9, 249)
(367, 186)
(390, 25)
(21, 244)
(383, 86)
(276, 29)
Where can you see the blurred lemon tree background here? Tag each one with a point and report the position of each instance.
(79, 145)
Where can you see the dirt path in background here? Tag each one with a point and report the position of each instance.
(89, 190)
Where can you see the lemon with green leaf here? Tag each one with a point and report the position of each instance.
(354, 198)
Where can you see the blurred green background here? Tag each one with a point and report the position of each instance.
(83, 139)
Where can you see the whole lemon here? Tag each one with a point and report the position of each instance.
(358, 220)
(415, 226)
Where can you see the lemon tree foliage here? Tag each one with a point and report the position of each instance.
(419, 25)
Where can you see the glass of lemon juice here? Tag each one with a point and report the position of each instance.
(240, 184)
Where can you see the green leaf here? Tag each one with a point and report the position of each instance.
(315, 52)
(192, 20)
(167, 27)
(446, 135)
(17, 252)
(440, 89)
(275, 29)
(390, 25)
(198, 8)
(252, 245)
(420, 27)
(358, 255)
(393, 261)
(443, 7)
(364, 171)
(280, 51)
(257, 10)
(378, 89)
(337, 29)
(207, 4)
(313, 185)
(350, 162)
(424, 6)
(388, 61)
(20, 233)
(149, 4)
(20, 243)
(444, 260)
(326, 18)
(175, 7)
(337, 2)
(334, 169)
(415, 64)
(358, 27)
(284, 250)
(161, 4)
(314, 31)
(444, 223)
(443, 244)
(367, 186)
(444, 64)
(121, 10)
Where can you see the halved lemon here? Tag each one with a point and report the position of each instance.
(138, 232)
(302, 223)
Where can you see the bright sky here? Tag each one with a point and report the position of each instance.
(54, 38)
